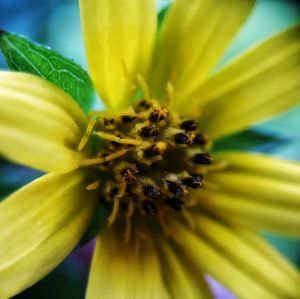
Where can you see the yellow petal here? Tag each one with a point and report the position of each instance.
(259, 176)
(259, 187)
(215, 262)
(252, 212)
(259, 84)
(119, 37)
(239, 250)
(256, 191)
(182, 278)
(39, 225)
(193, 37)
(119, 271)
(260, 164)
(40, 125)
(267, 250)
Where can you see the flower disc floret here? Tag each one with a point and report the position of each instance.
(150, 156)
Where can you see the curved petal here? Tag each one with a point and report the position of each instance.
(263, 165)
(259, 84)
(121, 271)
(255, 191)
(192, 39)
(40, 125)
(281, 281)
(213, 259)
(182, 278)
(119, 37)
(39, 225)
(251, 212)
(269, 251)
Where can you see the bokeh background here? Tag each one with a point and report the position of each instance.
(56, 23)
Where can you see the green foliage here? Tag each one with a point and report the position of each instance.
(24, 55)
(248, 139)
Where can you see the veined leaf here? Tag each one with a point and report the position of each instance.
(26, 56)
(249, 139)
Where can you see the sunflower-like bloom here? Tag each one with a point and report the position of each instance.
(176, 210)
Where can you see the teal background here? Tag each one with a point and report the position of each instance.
(56, 23)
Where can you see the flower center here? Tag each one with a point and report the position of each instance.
(148, 158)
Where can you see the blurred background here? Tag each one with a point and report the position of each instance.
(56, 23)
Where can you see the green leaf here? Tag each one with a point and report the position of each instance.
(26, 56)
(249, 139)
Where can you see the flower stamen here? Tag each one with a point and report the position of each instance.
(113, 156)
(87, 134)
(117, 139)
(144, 86)
(111, 219)
(93, 186)
(170, 94)
(151, 159)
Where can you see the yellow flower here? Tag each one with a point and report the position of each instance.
(162, 235)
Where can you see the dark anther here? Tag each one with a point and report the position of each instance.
(200, 139)
(116, 144)
(183, 138)
(149, 131)
(2, 31)
(105, 163)
(193, 181)
(154, 150)
(128, 118)
(205, 159)
(144, 104)
(151, 191)
(189, 125)
(108, 121)
(158, 115)
(149, 207)
(129, 174)
(175, 188)
(151, 151)
(113, 192)
(175, 203)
